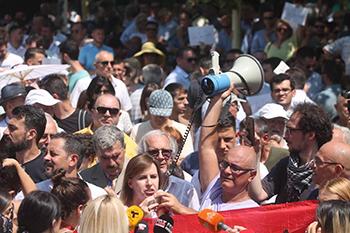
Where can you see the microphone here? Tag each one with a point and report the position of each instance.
(164, 224)
(212, 220)
(142, 227)
(135, 215)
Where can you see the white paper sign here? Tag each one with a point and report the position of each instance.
(281, 68)
(294, 14)
(198, 35)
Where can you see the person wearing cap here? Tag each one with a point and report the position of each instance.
(307, 130)
(41, 98)
(12, 95)
(186, 63)
(149, 54)
(160, 105)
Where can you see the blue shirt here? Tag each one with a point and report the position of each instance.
(88, 53)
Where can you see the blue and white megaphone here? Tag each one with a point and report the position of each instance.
(246, 74)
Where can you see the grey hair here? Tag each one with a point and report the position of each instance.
(106, 136)
(143, 147)
(152, 73)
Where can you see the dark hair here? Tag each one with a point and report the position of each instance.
(54, 84)
(86, 140)
(146, 92)
(306, 51)
(314, 119)
(298, 76)
(72, 145)
(94, 89)
(5, 200)
(277, 79)
(9, 179)
(14, 27)
(273, 62)
(71, 191)
(30, 53)
(180, 53)
(3, 41)
(71, 48)
(37, 212)
(49, 24)
(172, 88)
(226, 120)
(334, 69)
(334, 216)
(34, 118)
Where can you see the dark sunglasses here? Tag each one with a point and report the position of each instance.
(112, 111)
(105, 63)
(191, 59)
(166, 153)
(234, 168)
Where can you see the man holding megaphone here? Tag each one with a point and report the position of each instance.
(224, 179)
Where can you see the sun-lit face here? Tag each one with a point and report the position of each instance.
(282, 93)
(144, 184)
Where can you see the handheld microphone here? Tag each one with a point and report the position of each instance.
(135, 215)
(164, 224)
(212, 220)
(141, 227)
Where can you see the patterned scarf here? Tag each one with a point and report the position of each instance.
(298, 178)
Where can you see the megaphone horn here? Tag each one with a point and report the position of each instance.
(246, 74)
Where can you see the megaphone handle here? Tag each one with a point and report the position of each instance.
(242, 80)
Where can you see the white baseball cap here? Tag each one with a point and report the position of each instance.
(270, 111)
(40, 96)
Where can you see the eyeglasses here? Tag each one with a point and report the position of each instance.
(105, 63)
(234, 168)
(103, 110)
(166, 153)
(282, 91)
(290, 130)
(191, 59)
(319, 162)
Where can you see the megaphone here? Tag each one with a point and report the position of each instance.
(247, 75)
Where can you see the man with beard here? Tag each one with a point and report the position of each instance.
(162, 147)
(22, 136)
(109, 145)
(64, 155)
(307, 130)
(224, 172)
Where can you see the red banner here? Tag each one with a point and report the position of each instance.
(282, 218)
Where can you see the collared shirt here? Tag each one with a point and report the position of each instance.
(20, 51)
(178, 75)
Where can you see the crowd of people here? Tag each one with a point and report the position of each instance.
(79, 147)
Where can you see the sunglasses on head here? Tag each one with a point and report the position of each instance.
(105, 63)
(103, 110)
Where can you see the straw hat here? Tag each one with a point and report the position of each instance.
(149, 47)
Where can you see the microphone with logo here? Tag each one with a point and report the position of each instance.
(164, 224)
(135, 215)
(212, 220)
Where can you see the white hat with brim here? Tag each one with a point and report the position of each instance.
(270, 111)
(40, 96)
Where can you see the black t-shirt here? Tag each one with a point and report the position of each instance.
(35, 168)
(78, 120)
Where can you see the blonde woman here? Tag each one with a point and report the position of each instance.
(105, 214)
(335, 189)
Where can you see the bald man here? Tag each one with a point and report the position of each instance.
(331, 161)
(224, 178)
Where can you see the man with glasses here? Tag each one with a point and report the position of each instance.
(162, 147)
(104, 67)
(283, 91)
(224, 175)
(186, 62)
(331, 161)
(307, 130)
(106, 111)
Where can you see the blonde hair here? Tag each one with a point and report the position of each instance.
(339, 186)
(105, 214)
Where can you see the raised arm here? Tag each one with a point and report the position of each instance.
(208, 162)
(27, 183)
